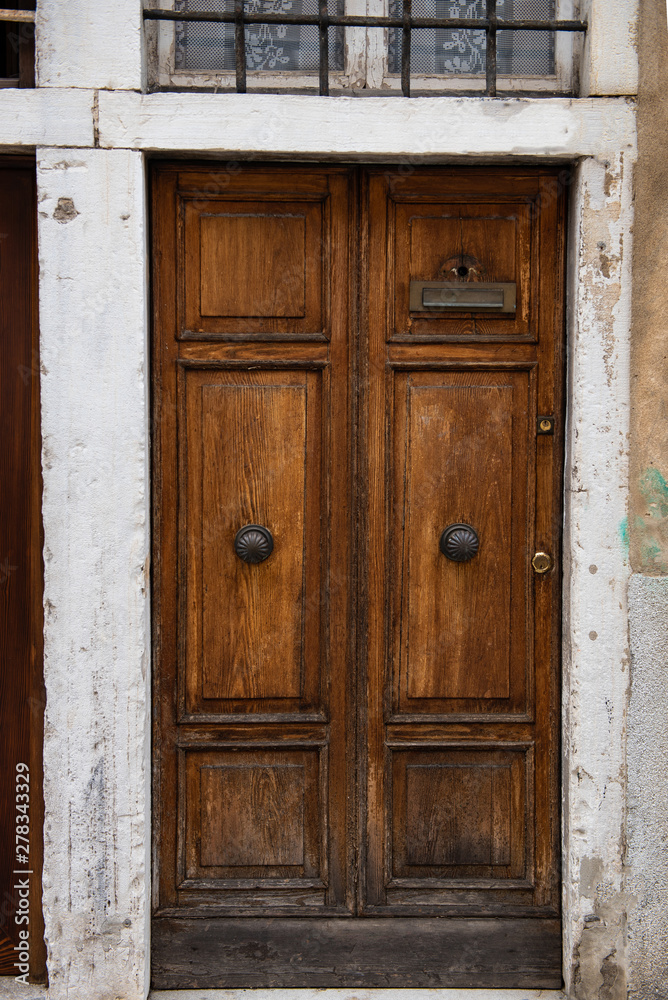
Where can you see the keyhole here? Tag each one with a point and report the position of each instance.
(462, 271)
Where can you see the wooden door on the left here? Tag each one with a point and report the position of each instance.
(253, 791)
(21, 687)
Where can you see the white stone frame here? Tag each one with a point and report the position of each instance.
(93, 128)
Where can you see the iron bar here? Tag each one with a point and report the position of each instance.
(490, 24)
(490, 49)
(240, 46)
(17, 16)
(360, 21)
(406, 50)
(324, 48)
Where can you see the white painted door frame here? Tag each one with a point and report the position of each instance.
(96, 432)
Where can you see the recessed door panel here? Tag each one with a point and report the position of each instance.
(237, 281)
(254, 818)
(254, 268)
(461, 242)
(462, 473)
(254, 474)
(251, 449)
(460, 814)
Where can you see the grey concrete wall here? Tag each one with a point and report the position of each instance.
(647, 768)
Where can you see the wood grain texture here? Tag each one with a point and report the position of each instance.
(458, 814)
(252, 815)
(252, 818)
(252, 439)
(461, 453)
(487, 240)
(416, 698)
(254, 267)
(236, 280)
(253, 778)
(21, 680)
(459, 468)
(461, 814)
(398, 953)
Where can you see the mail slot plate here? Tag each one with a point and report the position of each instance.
(470, 296)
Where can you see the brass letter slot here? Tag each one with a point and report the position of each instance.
(465, 297)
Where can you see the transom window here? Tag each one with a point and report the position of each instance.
(351, 46)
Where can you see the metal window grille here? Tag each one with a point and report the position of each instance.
(283, 48)
(490, 17)
(461, 51)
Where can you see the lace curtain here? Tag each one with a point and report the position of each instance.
(294, 48)
(461, 52)
(270, 47)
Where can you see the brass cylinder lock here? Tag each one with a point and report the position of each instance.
(542, 562)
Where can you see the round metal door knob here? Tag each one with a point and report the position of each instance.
(253, 543)
(459, 542)
(542, 562)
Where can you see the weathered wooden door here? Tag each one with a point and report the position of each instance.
(357, 478)
(22, 950)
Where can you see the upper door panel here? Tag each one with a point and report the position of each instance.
(254, 267)
(463, 246)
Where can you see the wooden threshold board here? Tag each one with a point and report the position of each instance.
(288, 952)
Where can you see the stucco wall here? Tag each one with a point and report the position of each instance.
(647, 743)
(648, 514)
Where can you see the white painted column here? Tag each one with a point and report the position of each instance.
(90, 43)
(596, 571)
(609, 58)
(94, 384)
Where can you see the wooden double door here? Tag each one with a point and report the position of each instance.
(358, 378)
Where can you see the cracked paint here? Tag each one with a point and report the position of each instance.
(651, 524)
(595, 651)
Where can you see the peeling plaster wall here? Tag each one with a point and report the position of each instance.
(647, 748)
(596, 662)
(92, 259)
(648, 522)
